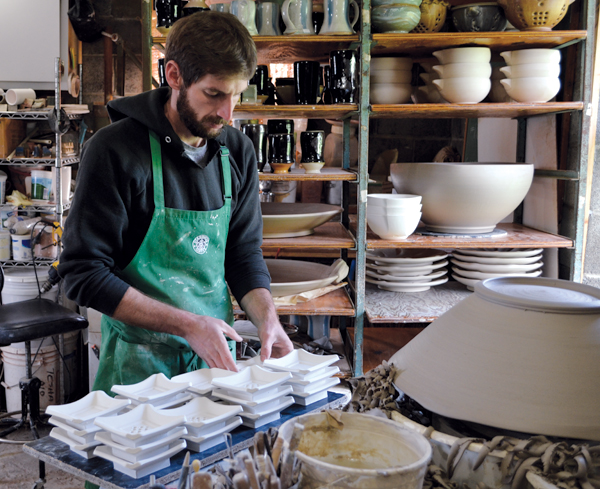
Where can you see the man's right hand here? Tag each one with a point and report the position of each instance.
(207, 339)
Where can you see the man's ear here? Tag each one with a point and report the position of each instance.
(173, 75)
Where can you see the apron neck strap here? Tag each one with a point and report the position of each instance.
(226, 172)
(157, 174)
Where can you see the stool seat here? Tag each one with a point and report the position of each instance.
(36, 318)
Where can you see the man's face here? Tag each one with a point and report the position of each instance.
(207, 105)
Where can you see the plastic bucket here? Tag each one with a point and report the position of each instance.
(5, 244)
(21, 285)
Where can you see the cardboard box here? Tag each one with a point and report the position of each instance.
(12, 132)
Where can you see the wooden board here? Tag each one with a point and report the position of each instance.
(299, 174)
(338, 111)
(331, 235)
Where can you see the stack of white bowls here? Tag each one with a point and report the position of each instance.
(472, 265)
(498, 92)
(430, 92)
(406, 269)
(532, 75)
(390, 80)
(393, 216)
(464, 74)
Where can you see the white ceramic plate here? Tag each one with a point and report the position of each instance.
(282, 220)
(263, 420)
(502, 252)
(480, 267)
(469, 282)
(201, 412)
(492, 260)
(155, 387)
(81, 414)
(300, 361)
(251, 381)
(406, 286)
(82, 437)
(62, 435)
(229, 396)
(319, 375)
(275, 408)
(139, 426)
(231, 425)
(290, 277)
(414, 271)
(167, 402)
(309, 390)
(483, 275)
(406, 255)
(305, 401)
(200, 380)
(402, 278)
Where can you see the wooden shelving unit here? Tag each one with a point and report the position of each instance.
(331, 235)
(251, 111)
(298, 174)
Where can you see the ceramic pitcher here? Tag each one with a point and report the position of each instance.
(245, 10)
(336, 19)
(267, 19)
(297, 16)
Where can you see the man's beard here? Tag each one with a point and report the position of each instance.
(199, 128)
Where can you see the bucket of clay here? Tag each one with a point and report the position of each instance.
(45, 367)
(20, 284)
(358, 451)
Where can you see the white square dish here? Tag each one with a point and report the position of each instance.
(143, 467)
(261, 421)
(309, 390)
(300, 361)
(228, 396)
(135, 454)
(252, 383)
(205, 445)
(81, 414)
(231, 425)
(155, 387)
(276, 408)
(306, 400)
(139, 426)
(80, 436)
(200, 380)
(61, 435)
(167, 402)
(314, 376)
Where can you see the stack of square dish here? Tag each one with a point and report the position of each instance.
(260, 392)
(406, 269)
(311, 375)
(156, 390)
(75, 421)
(206, 422)
(140, 441)
(201, 380)
(471, 266)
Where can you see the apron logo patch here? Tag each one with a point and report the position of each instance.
(200, 244)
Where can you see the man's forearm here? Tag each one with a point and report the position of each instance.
(258, 306)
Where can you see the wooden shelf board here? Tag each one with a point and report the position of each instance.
(425, 44)
(455, 111)
(299, 174)
(331, 235)
(338, 111)
(384, 306)
(303, 253)
(380, 344)
(287, 49)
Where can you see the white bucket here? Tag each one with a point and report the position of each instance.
(21, 245)
(21, 285)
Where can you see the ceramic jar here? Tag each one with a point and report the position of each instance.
(398, 16)
(297, 16)
(336, 17)
(245, 10)
(532, 15)
(258, 134)
(478, 17)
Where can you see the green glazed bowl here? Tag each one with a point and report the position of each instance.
(397, 17)
(396, 3)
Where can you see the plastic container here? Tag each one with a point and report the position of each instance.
(21, 285)
(21, 248)
(3, 177)
(5, 244)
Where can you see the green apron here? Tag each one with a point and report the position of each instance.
(180, 262)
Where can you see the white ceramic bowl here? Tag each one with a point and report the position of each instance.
(395, 201)
(428, 77)
(393, 227)
(533, 70)
(531, 90)
(530, 56)
(464, 55)
(498, 93)
(390, 93)
(312, 167)
(389, 63)
(391, 76)
(464, 90)
(377, 210)
(464, 70)
(468, 198)
(431, 94)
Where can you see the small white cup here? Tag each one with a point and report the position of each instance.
(16, 96)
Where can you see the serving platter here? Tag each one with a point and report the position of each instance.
(492, 260)
(283, 220)
(200, 380)
(480, 267)
(318, 375)
(502, 252)
(406, 286)
(290, 277)
(300, 361)
(251, 381)
(81, 414)
(155, 388)
(406, 256)
(277, 392)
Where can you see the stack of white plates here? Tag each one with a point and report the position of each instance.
(141, 441)
(200, 381)
(206, 422)
(471, 266)
(406, 269)
(261, 393)
(310, 375)
(156, 390)
(75, 421)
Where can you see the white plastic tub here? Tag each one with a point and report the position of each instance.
(21, 285)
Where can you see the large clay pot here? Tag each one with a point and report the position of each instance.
(532, 15)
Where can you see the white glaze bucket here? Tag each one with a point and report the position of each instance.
(21, 284)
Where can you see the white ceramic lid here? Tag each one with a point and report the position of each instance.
(541, 294)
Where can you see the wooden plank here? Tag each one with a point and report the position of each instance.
(426, 43)
(469, 111)
(299, 174)
(332, 235)
(303, 253)
(338, 111)
(287, 49)
(380, 344)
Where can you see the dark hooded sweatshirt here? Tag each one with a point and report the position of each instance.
(113, 202)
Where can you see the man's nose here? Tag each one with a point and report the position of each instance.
(226, 109)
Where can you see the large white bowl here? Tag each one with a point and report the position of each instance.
(464, 70)
(398, 201)
(528, 56)
(378, 210)
(464, 90)
(393, 227)
(468, 198)
(464, 55)
(390, 93)
(391, 76)
(531, 90)
(290, 277)
(282, 220)
(389, 63)
(532, 70)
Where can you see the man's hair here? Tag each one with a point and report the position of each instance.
(211, 43)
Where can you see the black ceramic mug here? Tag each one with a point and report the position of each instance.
(281, 148)
(167, 12)
(258, 134)
(326, 95)
(161, 73)
(280, 126)
(312, 144)
(261, 80)
(343, 84)
(306, 78)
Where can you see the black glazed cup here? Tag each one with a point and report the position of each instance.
(261, 80)
(306, 77)
(258, 134)
(167, 12)
(281, 148)
(312, 144)
(280, 126)
(343, 84)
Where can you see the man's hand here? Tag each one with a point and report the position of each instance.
(274, 342)
(207, 339)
